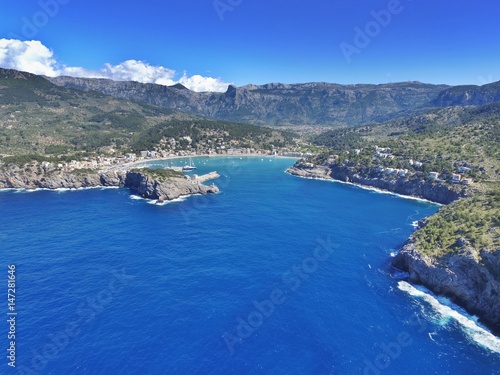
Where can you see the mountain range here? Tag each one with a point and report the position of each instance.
(324, 104)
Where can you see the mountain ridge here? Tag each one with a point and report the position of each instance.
(312, 103)
(278, 103)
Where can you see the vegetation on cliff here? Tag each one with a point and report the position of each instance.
(159, 174)
(466, 223)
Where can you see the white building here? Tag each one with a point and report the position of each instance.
(131, 157)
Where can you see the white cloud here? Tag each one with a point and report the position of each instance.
(31, 56)
(199, 83)
(130, 70)
(34, 57)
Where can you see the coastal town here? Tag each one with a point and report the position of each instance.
(215, 143)
(122, 161)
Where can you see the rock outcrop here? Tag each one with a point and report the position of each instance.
(139, 183)
(470, 279)
(151, 188)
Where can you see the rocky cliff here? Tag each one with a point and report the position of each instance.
(33, 177)
(434, 192)
(469, 95)
(143, 184)
(469, 278)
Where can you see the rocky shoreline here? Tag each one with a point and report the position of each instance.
(433, 192)
(470, 277)
(139, 183)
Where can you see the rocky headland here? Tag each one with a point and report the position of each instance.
(146, 183)
(470, 277)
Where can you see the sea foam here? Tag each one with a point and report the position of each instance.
(156, 202)
(448, 311)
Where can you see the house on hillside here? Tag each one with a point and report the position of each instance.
(467, 181)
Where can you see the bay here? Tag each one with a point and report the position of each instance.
(274, 275)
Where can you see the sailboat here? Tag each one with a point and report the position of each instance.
(189, 167)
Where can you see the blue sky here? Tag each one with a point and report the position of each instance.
(244, 41)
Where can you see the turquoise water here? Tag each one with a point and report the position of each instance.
(274, 275)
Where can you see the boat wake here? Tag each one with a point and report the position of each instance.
(447, 312)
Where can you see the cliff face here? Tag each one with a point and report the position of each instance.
(31, 178)
(431, 191)
(139, 183)
(471, 279)
(469, 95)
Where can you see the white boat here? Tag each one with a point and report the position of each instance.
(189, 167)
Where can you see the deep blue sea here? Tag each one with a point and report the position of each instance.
(274, 275)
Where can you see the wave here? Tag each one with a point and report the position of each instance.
(156, 202)
(448, 311)
(136, 197)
